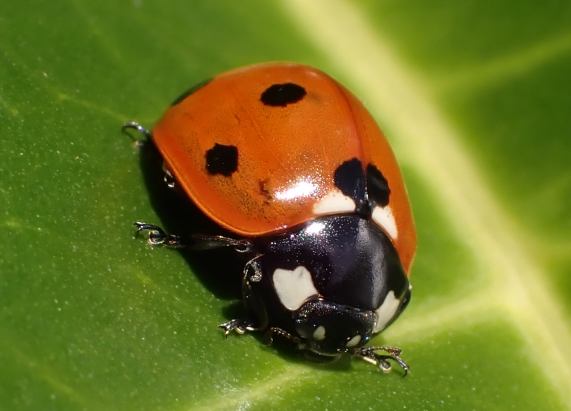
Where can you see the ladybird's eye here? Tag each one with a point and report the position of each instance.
(319, 333)
(354, 341)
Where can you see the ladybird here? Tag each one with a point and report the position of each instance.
(290, 163)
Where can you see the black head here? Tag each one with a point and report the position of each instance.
(329, 328)
(331, 283)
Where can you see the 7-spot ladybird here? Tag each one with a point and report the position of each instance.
(292, 165)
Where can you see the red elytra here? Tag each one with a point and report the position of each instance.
(285, 155)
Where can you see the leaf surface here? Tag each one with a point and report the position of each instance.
(474, 98)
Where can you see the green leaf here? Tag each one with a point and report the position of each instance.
(474, 97)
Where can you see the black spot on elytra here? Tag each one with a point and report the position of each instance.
(190, 91)
(367, 188)
(282, 94)
(378, 189)
(222, 159)
(349, 177)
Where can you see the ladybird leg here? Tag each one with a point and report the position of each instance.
(251, 274)
(168, 178)
(370, 355)
(209, 242)
(252, 277)
(157, 235)
(144, 134)
(273, 331)
(239, 326)
(197, 242)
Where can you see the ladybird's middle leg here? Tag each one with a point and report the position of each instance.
(157, 236)
(197, 242)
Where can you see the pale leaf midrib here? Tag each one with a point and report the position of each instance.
(429, 144)
(507, 67)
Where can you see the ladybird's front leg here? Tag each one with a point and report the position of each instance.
(370, 355)
(251, 275)
(238, 325)
(276, 331)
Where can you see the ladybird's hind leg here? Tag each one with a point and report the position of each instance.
(252, 274)
(168, 178)
(144, 134)
(142, 137)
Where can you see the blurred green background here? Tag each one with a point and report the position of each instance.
(474, 96)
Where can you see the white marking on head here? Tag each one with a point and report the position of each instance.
(383, 216)
(353, 341)
(293, 287)
(334, 202)
(386, 311)
(319, 333)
